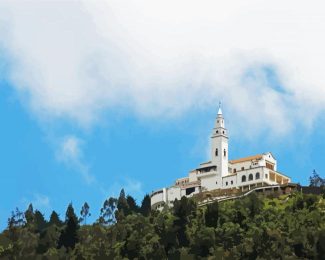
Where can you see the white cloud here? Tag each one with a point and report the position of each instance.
(164, 58)
(69, 152)
(70, 149)
(39, 201)
(130, 186)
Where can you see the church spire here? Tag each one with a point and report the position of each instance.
(219, 110)
(219, 123)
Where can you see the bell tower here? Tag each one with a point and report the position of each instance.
(219, 145)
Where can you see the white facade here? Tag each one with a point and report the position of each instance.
(221, 174)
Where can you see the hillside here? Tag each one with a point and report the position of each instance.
(288, 227)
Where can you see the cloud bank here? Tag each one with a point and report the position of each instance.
(74, 60)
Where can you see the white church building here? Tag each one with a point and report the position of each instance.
(222, 174)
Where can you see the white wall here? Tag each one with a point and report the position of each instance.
(173, 193)
(158, 197)
(192, 176)
(229, 179)
(211, 182)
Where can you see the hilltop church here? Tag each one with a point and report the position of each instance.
(221, 174)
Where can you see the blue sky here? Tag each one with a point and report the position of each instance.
(95, 98)
(130, 153)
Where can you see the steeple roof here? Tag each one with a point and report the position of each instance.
(219, 111)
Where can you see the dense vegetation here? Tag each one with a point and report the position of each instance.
(287, 227)
(251, 228)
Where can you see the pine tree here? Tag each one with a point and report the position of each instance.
(40, 222)
(133, 207)
(69, 236)
(29, 215)
(70, 214)
(145, 206)
(55, 219)
(122, 204)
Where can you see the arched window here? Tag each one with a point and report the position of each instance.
(217, 152)
(243, 178)
(232, 182)
(257, 175)
(224, 152)
(250, 177)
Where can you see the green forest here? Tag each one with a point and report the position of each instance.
(254, 227)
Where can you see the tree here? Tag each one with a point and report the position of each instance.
(315, 180)
(107, 212)
(70, 214)
(122, 204)
(55, 219)
(145, 206)
(69, 236)
(183, 210)
(254, 204)
(133, 207)
(212, 214)
(204, 239)
(40, 222)
(29, 215)
(17, 219)
(321, 244)
(85, 212)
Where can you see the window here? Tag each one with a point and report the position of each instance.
(217, 121)
(190, 190)
(217, 152)
(216, 182)
(226, 183)
(243, 178)
(235, 170)
(257, 175)
(266, 176)
(224, 152)
(250, 177)
(223, 132)
(217, 131)
(242, 168)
